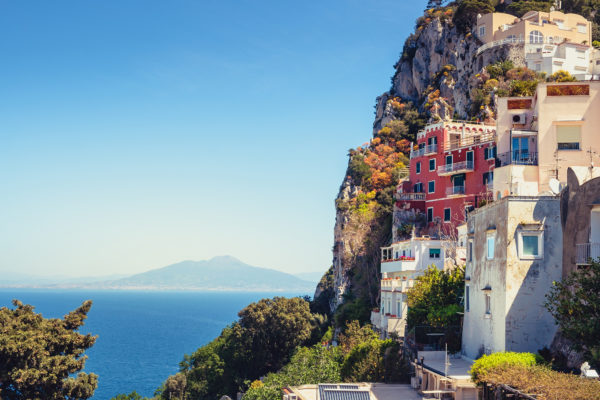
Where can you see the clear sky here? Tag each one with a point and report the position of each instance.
(139, 133)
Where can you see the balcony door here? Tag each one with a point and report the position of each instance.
(520, 150)
(595, 232)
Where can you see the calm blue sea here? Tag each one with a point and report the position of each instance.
(142, 336)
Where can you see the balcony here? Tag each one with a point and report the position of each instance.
(396, 284)
(455, 191)
(455, 168)
(399, 264)
(410, 196)
(470, 140)
(417, 153)
(431, 149)
(587, 252)
(517, 157)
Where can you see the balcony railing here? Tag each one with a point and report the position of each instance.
(517, 157)
(410, 196)
(417, 153)
(455, 190)
(587, 252)
(453, 168)
(469, 140)
(431, 149)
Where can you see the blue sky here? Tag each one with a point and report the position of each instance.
(136, 134)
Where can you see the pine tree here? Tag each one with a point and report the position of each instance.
(39, 356)
(434, 4)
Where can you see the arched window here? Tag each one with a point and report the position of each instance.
(536, 37)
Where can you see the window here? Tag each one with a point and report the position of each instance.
(511, 38)
(488, 304)
(536, 37)
(568, 137)
(470, 250)
(490, 246)
(418, 187)
(431, 187)
(449, 159)
(434, 253)
(470, 158)
(486, 153)
(531, 245)
(430, 214)
(432, 164)
(481, 31)
(580, 53)
(467, 298)
(446, 215)
(418, 167)
(488, 178)
(581, 28)
(432, 140)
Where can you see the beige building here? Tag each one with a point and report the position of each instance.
(539, 137)
(514, 253)
(350, 391)
(535, 27)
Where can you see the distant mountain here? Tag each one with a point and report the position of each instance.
(218, 273)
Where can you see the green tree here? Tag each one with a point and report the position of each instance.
(435, 298)
(131, 396)
(354, 334)
(309, 365)
(39, 356)
(466, 13)
(575, 305)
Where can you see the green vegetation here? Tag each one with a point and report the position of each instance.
(39, 356)
(360, 357)
(575, 305)
(131, 396)
(561, 76)
(435, 299)
(466, 13)
(482, 366)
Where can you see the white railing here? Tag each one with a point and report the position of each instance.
(496, 43)
(470, 140)
(455, 190)
(410, 196)
(431, 148)
(417, 153)
(454, 167)
(587, 252)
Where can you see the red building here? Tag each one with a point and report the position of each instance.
(451, 172)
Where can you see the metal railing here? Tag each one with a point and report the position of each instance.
(517, 157)
(431, 148)
(410, 196)
(587, 252)
(455, 190)
(454, 167)
(417, 153)
(470, 140)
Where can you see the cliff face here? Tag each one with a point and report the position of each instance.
(436, 73)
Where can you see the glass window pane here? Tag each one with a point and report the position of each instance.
(490, 248)
(530, 245)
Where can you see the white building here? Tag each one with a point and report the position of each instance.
(514, 253)
(401, 263)
(567, 56)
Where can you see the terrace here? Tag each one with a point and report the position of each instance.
(455, 168)
(587, 252)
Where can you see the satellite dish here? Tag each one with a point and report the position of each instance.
(554, 185)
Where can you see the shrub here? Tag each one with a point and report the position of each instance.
(561, 76)
(490, 362)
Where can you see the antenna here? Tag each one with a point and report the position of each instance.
(591, 153)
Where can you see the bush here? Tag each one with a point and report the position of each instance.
(561, 76)
(490, 362)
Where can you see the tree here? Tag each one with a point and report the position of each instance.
(435, 299)
(434, 3)
(39, 356)
(466, 13)
(575, 305)
(354, 335)
(131, 396)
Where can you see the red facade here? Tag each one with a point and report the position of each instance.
(451, 172)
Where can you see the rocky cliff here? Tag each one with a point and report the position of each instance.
(438, 70)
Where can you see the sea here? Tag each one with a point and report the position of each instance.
(142, 336)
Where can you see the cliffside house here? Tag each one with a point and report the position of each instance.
(540, 136)
(401, 263)
(350, 391)
(551, 41)
(514, 253)
(451, 172)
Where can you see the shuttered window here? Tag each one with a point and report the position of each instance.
(568, 137)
